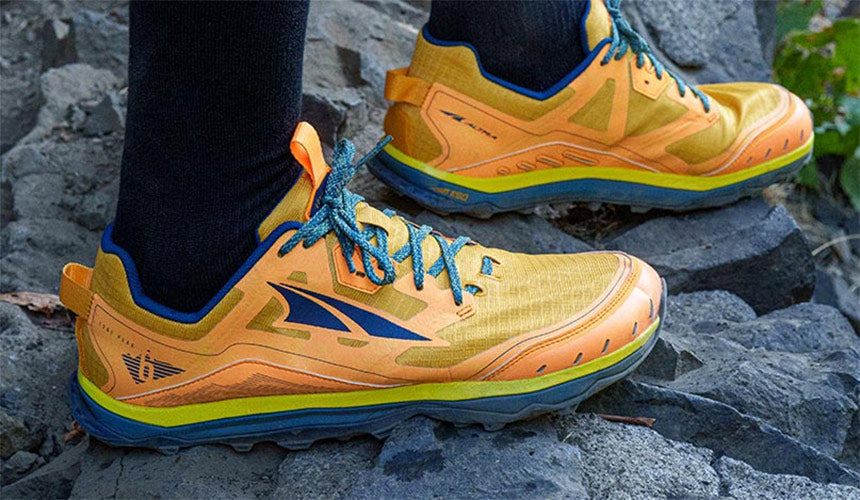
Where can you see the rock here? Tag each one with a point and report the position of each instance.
(741, 481)
(20, 67)
(17, 435)
(103, 118)
(711, 424)
(439, 460)
(834, 291)
(709, 42)
(198, 472)
(36, 397)
(62, 193)
(750, 249)
(58, 43)
(63, 87)
(668, 362)
(513, 232)
(101, 41)
(326, 470)
(334, 112)
(19, 465)
(54, 480)
(804, 328)
(628, 461)
(797, 368)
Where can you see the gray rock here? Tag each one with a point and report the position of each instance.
(711, 424)
(333, 112)
(796, 368)
(101, 40)
(58, 43)
(668, 362)
(524, 460)
(513, 232)
(35, 397)
(834, 291)
(750, 249)
(708, 42)
(63, 87)
(628, 461)
(326, 470)
(799, 328)
(19, 465)
(104, 117)
(199, 472)
(741, 481)
(54, 480)
(17, 435)
(20, 67)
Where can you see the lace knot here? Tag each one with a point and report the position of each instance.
(337, 214)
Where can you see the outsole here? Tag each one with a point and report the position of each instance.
(428, 191)
(299, 429)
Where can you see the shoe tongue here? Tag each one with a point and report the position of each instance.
(296, 205)
(597, 25)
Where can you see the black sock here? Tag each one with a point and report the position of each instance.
(214, 96)
(528, 43)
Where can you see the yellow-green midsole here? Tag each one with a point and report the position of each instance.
(561, 174)
(448, 391)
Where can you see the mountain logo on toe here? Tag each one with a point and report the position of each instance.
(143, 368)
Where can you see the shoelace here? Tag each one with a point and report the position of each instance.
(624, 36)
(337, 213)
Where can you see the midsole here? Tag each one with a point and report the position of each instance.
(449, 391)
(561, 174)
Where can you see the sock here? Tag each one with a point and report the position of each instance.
(530, 44)
(214, 97)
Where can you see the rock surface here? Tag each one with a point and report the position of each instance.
(755, 393)
(750, 249)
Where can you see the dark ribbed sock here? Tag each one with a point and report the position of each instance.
(532, 44)
(214, 96)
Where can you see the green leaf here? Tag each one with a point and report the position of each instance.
(794, 15)
(849, 179)
(822, 67)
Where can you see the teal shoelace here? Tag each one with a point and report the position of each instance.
(624, 37)
(336, 213)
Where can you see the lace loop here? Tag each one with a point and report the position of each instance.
(336, 213)
(624, 37)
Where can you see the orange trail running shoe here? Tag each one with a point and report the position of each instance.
(347, 320)
(620, 128)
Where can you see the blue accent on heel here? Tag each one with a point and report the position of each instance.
(142, 300)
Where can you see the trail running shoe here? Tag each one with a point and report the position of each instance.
(347, 320)
(620, 128)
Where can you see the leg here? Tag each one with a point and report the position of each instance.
(530, 44)
(214, 96)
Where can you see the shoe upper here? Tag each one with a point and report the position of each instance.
(305, 316)
(619, 108)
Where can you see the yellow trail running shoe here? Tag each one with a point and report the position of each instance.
(620, 128)
(347, 320)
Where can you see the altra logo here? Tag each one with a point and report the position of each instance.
(143, 368)
(473, 126)
(315, 309)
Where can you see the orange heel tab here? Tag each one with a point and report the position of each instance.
(75, 291)
(307, 150)
(400, 87)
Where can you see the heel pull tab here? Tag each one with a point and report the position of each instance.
(399, 87)
(75, 291)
